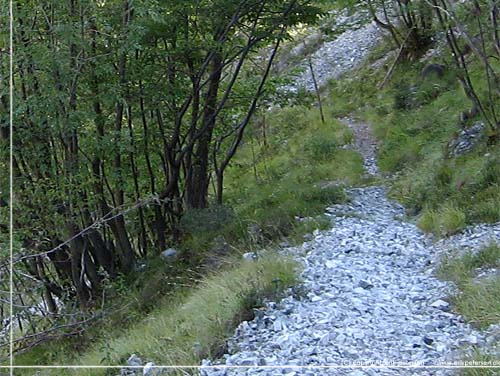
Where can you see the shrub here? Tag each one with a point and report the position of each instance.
(487, 257)
(446, 221)
(486, 210)
(319, 147)
(479, 301)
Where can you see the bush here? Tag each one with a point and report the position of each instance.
(319, 147)
(446, 221)
(281, 180)
(487, 257)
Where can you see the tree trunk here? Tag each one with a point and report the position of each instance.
(197, 193)
(77, 268)
(220, 185)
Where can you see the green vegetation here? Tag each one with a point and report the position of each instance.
(478, 356)
(414, 125)
(298, 171)
(277, 188)
(293, 172)
(126, 112)
(462, 269)
(127, 115)
(416, 120)
(478, 300)
(193, 325)
(164, 95)
(447, 221)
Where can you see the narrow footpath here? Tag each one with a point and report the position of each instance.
(368, 296)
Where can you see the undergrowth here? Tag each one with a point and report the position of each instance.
(478, 299)
(286, 172)
(415, 120)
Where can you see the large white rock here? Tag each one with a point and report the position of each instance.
(169, 254)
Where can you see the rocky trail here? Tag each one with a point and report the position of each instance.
(368, 293)
(365, 143)
(368, 296)
(343, 54)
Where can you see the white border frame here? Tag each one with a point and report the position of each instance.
(11, 182)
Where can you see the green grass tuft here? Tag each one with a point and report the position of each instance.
(448, 220)
(478, 300)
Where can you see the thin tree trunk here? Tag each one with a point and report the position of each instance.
(316, 88)
(159, 221)
(200, 181)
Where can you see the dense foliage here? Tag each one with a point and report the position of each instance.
(123, 112)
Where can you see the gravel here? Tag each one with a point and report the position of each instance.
(368, 295)
(365, 143)
(338, 56)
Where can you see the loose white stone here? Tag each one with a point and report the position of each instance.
(440, 304)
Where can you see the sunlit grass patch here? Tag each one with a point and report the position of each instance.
(479, 299)
(196, 324)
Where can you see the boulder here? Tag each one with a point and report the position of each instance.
(134, 360)
(466, 140)
(250, 256)
(433, 70)
(169, 254)
(150, 370)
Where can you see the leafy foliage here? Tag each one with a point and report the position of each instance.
(124, 110)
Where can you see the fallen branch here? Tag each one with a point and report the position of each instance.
(398, 57)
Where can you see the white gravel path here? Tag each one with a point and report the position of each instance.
(341, 55)
(369, 296)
